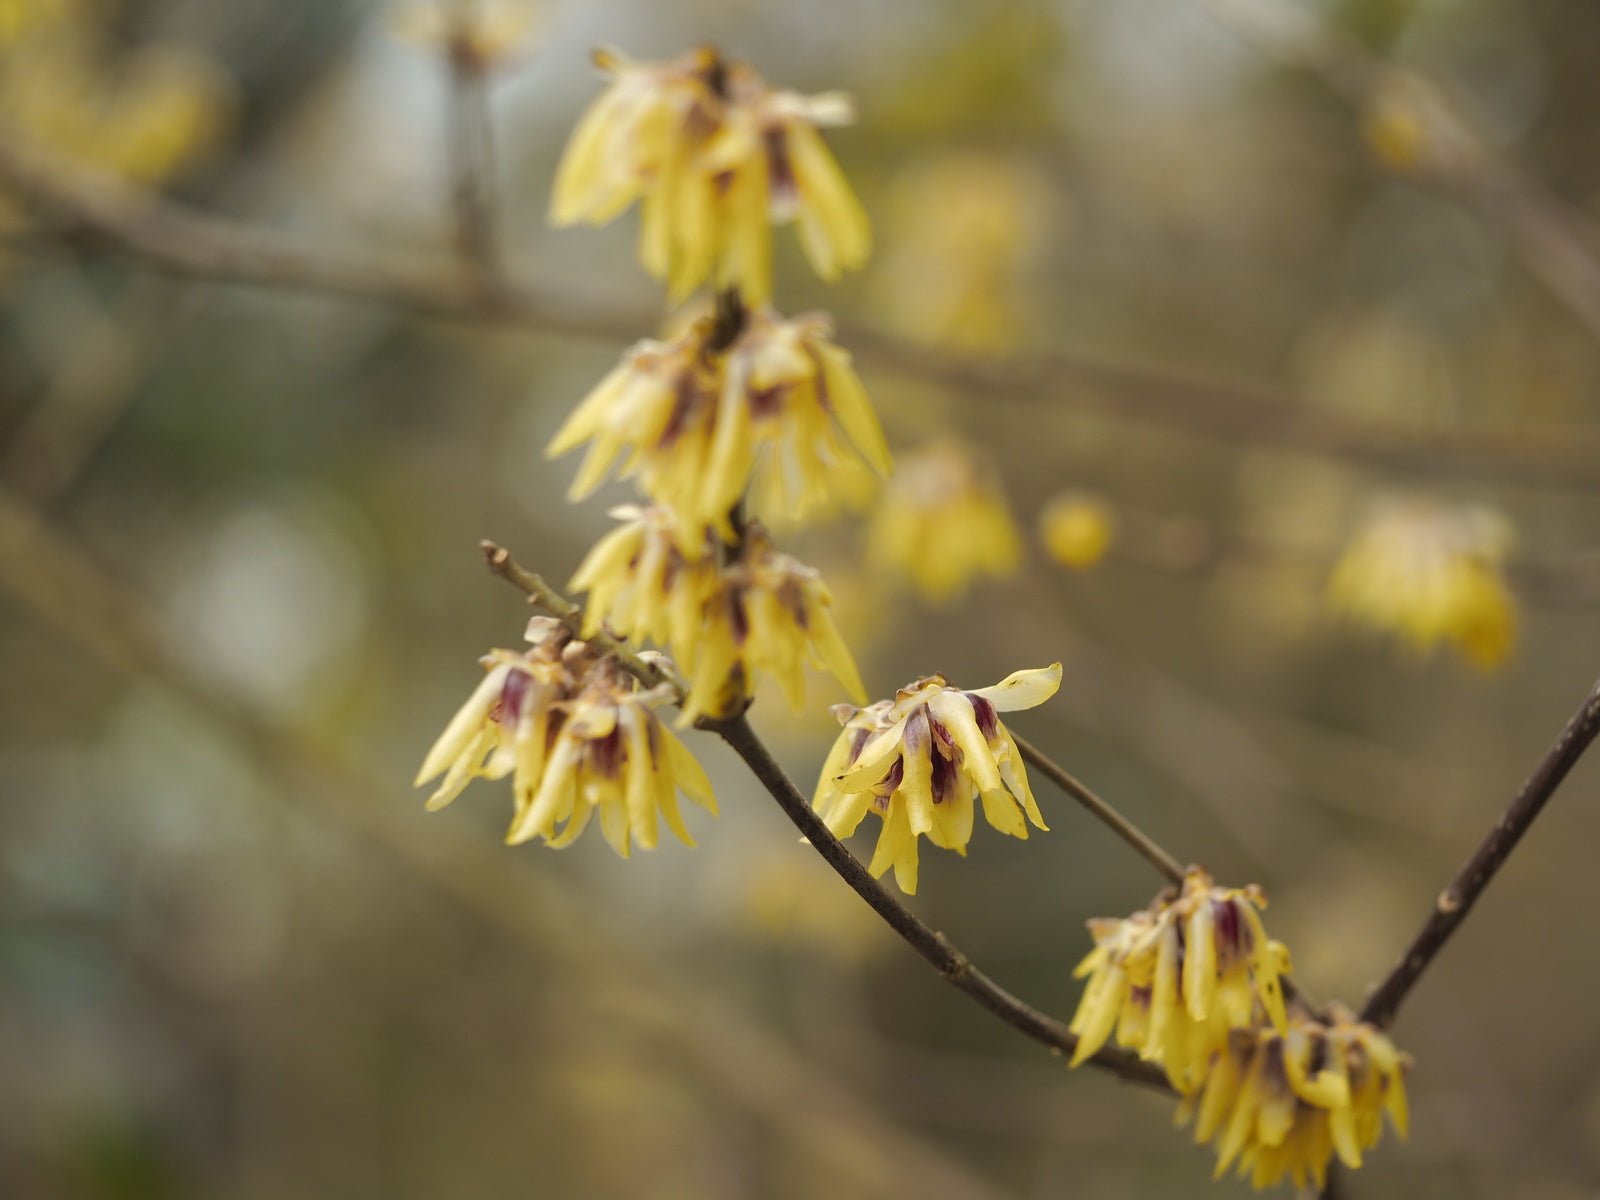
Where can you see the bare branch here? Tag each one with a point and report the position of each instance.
(1456, 901)
(178, 241)
(64, 591)
(933, 946)
(471, 143)
(1143, 844)
(1555, 241)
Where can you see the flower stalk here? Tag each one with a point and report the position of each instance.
(934, 947)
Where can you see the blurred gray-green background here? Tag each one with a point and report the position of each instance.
(240, 593)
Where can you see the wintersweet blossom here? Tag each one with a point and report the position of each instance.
(920, 761)
(577, 736)
(767, 613)
(1431, 573)
(1173, 979)
(1280, 1103)
(641, 583)
(694, 425)
(716, 157)
(943, 521)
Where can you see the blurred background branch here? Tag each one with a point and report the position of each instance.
(104, 619)
(96, 212)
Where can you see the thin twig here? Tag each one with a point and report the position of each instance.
(1456, 901)
(170, 238)
(1555, 241)
(113, 626)
(932, 945)
(471, 142)
(1143, 844)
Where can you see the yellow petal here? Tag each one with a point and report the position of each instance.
(1200, 961)
(1023, 689)
(464, 726)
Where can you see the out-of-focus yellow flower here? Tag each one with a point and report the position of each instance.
(642, 584)
(767, 613)
(577, 736)
(942, 521)
(657, 409)
(1173, 979)
(1431, 573)
(485, 33)
(716, 157)
(962, 229)
(18, 18)
(142, 117)
(692, 424)
(1076, 529)
(792, 403)
(1280, 1103)
(920, 760)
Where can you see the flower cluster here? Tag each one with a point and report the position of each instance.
(1194, 983)
(1280, 1103)
(768, 612)
(142, 115)
(717, 157)
(577, 736)
(694, 421)
(1173, 979)
(943, 521)
(919, 762)
(1431, 574)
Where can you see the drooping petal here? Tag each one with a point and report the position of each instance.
(1023, 689)
(464, 726)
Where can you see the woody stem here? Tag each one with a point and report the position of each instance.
(1456, 901)
(934, 947)
(1143, 844)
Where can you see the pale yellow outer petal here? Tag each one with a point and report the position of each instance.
(853, 408)
(464, 727)
(834, 230)
(875, 758)
(1097, 1012)
(1200, 961)
(687, 772)
(556, 794)
(1023, 689)
(639, 775)
(834, 653)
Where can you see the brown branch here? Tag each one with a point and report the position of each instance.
(471, 142)
(1456, 901)
(170, 238)
(1143, 844)
(1556, 243)
(933, 946)
(64, 591)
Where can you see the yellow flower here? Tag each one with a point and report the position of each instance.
(782, 402)
(1173, 979)
(717, 157)
(964, 230)
(767, 612)
(486, 33)
(792, 403)
(142, 116)
(1076, 529)
(1282, 1103)
(943, 521)
(642, 584)
(1431, 574)
(576, 735)
(920, 760)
